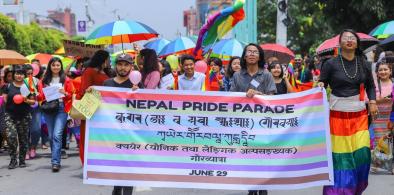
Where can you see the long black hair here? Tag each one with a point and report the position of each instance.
(151, 62)
(48, 74)
(230, 71)
(167, 68)
(98, 59)
(261, 56)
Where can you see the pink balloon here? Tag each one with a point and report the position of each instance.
(135, 77)
(200, 66)
(1, 101)
(18, 99)
(36, 69)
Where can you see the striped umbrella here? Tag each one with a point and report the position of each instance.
(180, 45)
(157, 44)
(121, 31)
(383, 30)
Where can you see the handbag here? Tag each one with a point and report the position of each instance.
(74, 113)
(50, 107)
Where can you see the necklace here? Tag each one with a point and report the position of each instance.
(344, 68)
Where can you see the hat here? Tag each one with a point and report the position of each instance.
(124, 57)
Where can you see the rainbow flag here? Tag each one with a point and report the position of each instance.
(209, 140)
(220, 24)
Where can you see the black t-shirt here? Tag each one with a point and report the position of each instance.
(15, 110)
(281, 87)
(112, 83)
(332, 74)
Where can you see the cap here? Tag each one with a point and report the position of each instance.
(124, 57)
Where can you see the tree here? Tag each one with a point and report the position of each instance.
(312, 22)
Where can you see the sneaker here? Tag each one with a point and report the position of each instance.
(27, 157)
(33, 153)
(22, 164)
(55, 168)
(13, 164)
(64, 154)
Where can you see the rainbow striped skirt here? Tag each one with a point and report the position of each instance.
(350, 151)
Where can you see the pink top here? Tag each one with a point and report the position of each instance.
(152, 80)
(386, 89)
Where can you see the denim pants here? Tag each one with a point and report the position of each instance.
(56, 123)
(35, 127)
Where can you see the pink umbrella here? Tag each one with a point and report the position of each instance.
(330, 44)
(283, 53)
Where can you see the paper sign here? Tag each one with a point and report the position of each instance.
(25, 91)
(89, 103)
(166, 81)
(52, 92)
(75, 48)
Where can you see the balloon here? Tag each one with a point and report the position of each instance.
(135, 77)
(36, 69)
(173, 61)
(1, 101)
(18, 99)
(201, 66)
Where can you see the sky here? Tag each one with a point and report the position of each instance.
(164, 16)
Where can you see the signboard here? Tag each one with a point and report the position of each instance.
(81, 26)
(76, 48)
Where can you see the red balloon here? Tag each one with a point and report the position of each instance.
(18, 99)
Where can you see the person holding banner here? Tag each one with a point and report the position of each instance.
(123, 67)
(190, 80)
(349, 75)
(282, 83)
(150, 68)
(253, 80)
(94, 75)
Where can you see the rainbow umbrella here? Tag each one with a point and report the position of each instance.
(383, 30)
(121, 31)
(178, 46)
(226, 48)
(157, 44)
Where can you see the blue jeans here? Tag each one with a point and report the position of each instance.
(56, 123)
(35, 127)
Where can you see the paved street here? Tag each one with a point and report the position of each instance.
(37, 178)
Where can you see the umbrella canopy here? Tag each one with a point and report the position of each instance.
(331, 44)
(383, 30)
(44, 58)
(60, 51)
(177, 46)
(157, 44)
(121, 31)
(283, 53)
(11, 57)
(388, 44)
(226, 48)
